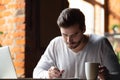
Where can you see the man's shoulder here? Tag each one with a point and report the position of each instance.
(57, 42)
(57, 39)
(98, 38)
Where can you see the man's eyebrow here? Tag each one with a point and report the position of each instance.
(76, 33)
(64, 34)
(71, 34)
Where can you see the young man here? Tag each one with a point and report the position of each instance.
(66, 55)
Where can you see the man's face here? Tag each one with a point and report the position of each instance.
(72, 36)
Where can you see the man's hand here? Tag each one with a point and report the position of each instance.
(103, 73)
(54, 72)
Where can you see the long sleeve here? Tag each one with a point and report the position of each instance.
(110, 60)
(41, 70)
(40, 74)
(46, 61)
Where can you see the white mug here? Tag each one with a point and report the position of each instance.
(91, 70)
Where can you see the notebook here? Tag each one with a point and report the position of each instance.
(7, 69)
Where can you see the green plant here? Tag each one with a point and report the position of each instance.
(1, 33)
(116, 47)
(118, 56)
(116, 28)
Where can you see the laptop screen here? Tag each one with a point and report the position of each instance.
(7, 69)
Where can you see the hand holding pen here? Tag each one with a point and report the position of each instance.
(54, 72)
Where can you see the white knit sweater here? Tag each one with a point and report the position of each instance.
(98, 49)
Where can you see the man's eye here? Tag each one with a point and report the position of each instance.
(64, 35)
(74, 35)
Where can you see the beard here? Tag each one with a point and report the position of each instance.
(73, 45)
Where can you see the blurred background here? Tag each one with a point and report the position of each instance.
(27, 26)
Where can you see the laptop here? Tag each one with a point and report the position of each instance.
(7, 69)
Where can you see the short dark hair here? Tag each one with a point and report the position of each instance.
(71, 16)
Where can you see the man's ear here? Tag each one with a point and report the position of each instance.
(83, 30)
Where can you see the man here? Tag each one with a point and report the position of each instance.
(66, 55)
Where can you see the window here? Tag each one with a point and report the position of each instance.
(94, 14)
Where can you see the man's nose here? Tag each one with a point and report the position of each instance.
(69, 39)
